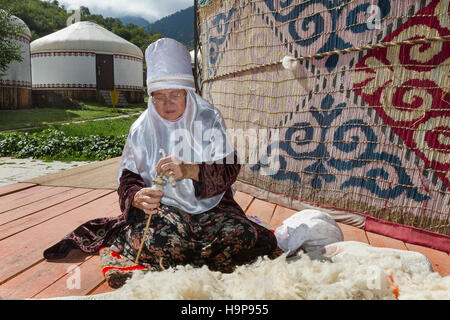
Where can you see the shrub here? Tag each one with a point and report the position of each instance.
(55, 145)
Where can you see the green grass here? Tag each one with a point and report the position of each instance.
(44, 117)
(3, 163)
(108, 127)
(56, 134)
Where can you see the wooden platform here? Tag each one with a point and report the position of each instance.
(34, 217)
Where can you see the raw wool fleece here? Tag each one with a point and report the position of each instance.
(350, 275)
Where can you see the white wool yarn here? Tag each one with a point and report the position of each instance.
(289, 63)
(350, 275)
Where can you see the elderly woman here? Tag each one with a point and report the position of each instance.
(179, 144)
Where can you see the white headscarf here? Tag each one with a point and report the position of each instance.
(199, 135)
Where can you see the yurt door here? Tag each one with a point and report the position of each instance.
(105, 72)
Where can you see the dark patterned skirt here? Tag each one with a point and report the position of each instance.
(220, 240)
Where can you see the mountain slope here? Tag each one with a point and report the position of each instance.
(141, 22)
(179, 26)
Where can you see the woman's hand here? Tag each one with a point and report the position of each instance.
(148, 200)
(175, 167)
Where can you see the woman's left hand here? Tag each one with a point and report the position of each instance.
(175, 167)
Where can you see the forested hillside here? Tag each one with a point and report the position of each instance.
(179, 26)
(44, 18)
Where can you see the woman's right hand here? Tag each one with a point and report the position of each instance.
(148, 200)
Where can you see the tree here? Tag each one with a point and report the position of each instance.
(9, 49)
(41, 17)
(84, 11)
(122, 32)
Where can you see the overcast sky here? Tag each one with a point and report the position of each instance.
(150, 10)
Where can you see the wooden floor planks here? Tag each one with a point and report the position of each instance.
(279, 215)
(261, 210)
(353, 233)
(62, 195)
(68, 285)
(34, 217)
(243, 200)
(378, 240)
(28, 196)
(103, 287)
(40, 276)
(18, 225)
(25, 248)
(14, 187)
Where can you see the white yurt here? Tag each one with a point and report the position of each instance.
(86, 61)
(15, 83)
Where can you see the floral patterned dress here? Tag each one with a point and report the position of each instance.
(220, 238)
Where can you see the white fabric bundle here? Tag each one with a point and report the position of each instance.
(309, 230)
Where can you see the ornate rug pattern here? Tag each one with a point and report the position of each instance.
(366, 130)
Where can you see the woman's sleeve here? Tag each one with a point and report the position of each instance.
(215, 178)
(130, 184)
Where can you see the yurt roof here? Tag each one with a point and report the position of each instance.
(17, 21)
(85, 36)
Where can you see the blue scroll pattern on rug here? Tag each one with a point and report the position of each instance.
(220, 27)
(335, 10)
(301, 134)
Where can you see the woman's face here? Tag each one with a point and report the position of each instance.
(169, 103)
